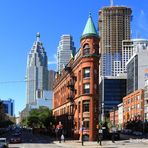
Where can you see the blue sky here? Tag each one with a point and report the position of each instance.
(20, 20)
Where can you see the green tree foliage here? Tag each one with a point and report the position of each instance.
(39, 118)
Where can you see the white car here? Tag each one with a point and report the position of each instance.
(3, 141)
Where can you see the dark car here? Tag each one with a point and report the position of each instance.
(107, 135)
(2, 146)
(15, 138)
(116, 135)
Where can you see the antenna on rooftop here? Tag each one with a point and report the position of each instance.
(138, 35)
(111, 2)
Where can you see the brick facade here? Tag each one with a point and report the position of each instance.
(133, 106)
(75, 93)
(113, 115)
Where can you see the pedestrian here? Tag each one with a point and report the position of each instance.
(113, 137)
(56, 132)
(100, 136)
(59, 134)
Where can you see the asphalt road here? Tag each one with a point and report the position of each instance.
(30, 140)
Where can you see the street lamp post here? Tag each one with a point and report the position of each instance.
(113, 129)
(82, 134)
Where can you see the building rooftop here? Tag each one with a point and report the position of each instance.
(89, 29)
(115, 7)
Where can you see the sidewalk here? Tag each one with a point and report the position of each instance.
(86, 144)
(106, 144)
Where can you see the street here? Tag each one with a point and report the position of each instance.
(30, 140)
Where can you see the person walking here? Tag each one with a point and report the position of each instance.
(59, 131)
(113, 137)
(100, 136)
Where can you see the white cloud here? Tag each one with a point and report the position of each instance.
(54, 61)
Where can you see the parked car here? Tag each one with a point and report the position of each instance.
(2, 146)
(15, 139)
(107, 135)
(116, 135)
(3, 143)
(136, 133)
(126, 131)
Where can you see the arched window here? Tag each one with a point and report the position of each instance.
(86, 49)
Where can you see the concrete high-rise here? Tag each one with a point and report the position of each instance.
(114, 26)
(131, 47)
(51, 78)
(137, 65)
(9, 106)
(65, 51)
(37, 72)
(127, 52)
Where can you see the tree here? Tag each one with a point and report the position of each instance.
(41, 117)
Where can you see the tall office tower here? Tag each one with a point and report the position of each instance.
(51, 78)
(127, 52)
(37, 72)
(131, 47)
(137, 65)
(112, 90)
(114, 26)
(65, 51)
(9, 106)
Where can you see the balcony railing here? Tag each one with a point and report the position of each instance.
(68, 69)
(71, 85)
(70, 97)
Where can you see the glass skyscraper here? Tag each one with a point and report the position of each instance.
(9, 106)
(114, 26)
(37, 72)
(65, 51)
(113, 90)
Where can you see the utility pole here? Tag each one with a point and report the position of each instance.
(114, 117)
(82, 134)
(113, 129)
